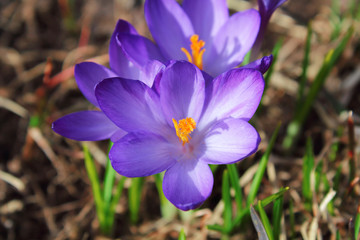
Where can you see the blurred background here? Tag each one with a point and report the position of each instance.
(45, 192)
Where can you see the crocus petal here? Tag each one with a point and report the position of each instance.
(232, 42)
(170, 27)
(182, 91)
(229, 141)
(130, 104)
(261, 64)
(119, 62)
(139, 50)
(150, 72)
(85, 126)
(87, 75)
(141, 154)
(188, 184)
(206, 17)
(236, 93)
(118, 135)
(267, 7)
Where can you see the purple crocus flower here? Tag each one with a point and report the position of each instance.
(266, 9)
(95, 125)
(184, 122)
(198, 31)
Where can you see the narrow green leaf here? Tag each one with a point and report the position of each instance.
(337, 178)
(275, 54)
(260, 229)
(95, 185)
(135, 198)
(114, 201)
(182, 235)
(213, 167)
(216, 227)
(227, 202)
(274, 197)
(168, 211)
(338, 236)
(305, 65)
(261, 170)
(308, 166)
(234, 179)
(357, 224)
(318, 176)
(264, 203)
(292, 219)
(267, 76)
(301, 115)
(246, 58)
(277, 215)
(265, 221)
(109, 179)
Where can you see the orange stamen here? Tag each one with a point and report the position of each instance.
(197, 51)
(184, 128)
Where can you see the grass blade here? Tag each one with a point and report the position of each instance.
(95, 186)
(277, 215)
(261, 170)
(182, 235)
(114, 201)
(135, 198)
(308, 167)
(305, 65)
(260, 229)
(168, 211)
(227, 201)
(357, 224)
(109, 179)
(300, 115)
(265, 221)
(234, 179)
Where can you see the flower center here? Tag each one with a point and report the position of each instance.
(197, 51)
(184, 128)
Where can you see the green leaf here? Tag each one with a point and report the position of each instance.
(95, 185)
(135, 198)
(182, 235)
(277, 215)
(260, 229)
(308, 167)
(292, 219)
(227, 201)
(301, 114)
(261, 170)
(265, 221)
(234, 179)
(357, 224)
(168, 211)
(303, 78)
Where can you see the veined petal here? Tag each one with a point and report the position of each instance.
(232, 42)
(262, 64)
(139, 50)
(130, 104)
(207, 17)
(236, 93)
(229, 141)
(267, 7)
(188, 184)
(170, 27)
(85, 126)
(150, 72)
(87, 75)
(119, 62)
(141, 154)
(182, 91)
